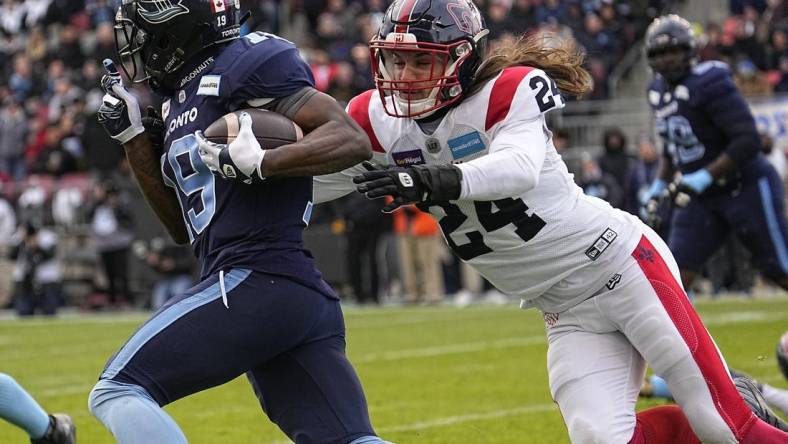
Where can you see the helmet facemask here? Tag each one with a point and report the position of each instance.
(441, 85)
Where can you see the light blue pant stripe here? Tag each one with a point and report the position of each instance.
(771, 221)
(170, 315)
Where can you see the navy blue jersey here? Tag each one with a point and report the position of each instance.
(230, 224)
(704, 116)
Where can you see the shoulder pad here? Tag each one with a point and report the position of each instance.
(358, 110)
(710, 80)
(521, 92)
(246, 56)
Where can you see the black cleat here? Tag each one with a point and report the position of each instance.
(748, 390)
(61, 431)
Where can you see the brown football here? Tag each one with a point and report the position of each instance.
(271, 129)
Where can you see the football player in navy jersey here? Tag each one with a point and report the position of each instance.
(261, 308)
(710, 138)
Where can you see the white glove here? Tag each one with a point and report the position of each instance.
(241, 160)
(119, 113)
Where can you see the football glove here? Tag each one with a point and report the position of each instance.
(154, 126)
(241, 159)
(697, 181)
(119, 112)
(410, 185)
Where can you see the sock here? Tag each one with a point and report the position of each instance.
(659, 388)
(663, 425)
(775, 397)
(131, 415)
(20, 409)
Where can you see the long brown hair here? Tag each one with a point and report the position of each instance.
(562, 63)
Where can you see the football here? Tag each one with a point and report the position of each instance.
(271, 129)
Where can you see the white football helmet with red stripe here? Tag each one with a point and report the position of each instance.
(451, 31)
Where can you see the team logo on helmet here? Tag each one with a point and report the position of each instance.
(467, 19)
(160, 11)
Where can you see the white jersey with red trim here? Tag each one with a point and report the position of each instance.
(536, 236)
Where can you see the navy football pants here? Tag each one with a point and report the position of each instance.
(287, 338)
(756, 214)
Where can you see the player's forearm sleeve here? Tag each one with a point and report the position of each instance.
(333, 186)
(512, 165)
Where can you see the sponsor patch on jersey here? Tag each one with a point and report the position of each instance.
(209, 85)
(466, 145)
(433, 145)
(601, 243)
(408, 158)
(181, 96)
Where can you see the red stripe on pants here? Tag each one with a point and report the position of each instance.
(726, 399)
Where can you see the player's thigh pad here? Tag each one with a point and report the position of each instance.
(312, 392)
(696, 232)
(195, 342)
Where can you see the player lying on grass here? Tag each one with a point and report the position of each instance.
(463, 136)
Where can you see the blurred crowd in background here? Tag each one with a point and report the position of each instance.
(68, 206)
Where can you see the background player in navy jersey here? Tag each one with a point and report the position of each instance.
(710, 137)
(261, 307)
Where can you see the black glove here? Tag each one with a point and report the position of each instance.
(410, 185)
(119, 112)
(154, 126)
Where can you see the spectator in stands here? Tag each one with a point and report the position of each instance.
(640, 175)
(174, 265)
(421, 250)
(111, 227)
(54, 159)
(598, 183)
(13, 134)
(615, 160)
(782, 76)
(7, 220)
(37, 275)
(712, 50)
(777, 50)
(751, 81)
(365, 224)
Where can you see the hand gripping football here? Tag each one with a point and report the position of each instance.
(271, 129)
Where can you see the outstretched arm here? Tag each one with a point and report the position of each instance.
(333, 142)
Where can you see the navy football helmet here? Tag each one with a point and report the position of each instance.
(154, 38)
(452, 32)
(671, 47)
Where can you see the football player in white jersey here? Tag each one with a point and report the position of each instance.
(463, 136)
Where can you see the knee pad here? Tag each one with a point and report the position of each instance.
(586, 432)
(107, 390)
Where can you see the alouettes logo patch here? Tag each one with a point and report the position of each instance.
(160, 11)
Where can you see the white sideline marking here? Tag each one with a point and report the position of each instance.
(449, 349)
(459, 419)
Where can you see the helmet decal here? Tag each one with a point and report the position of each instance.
(464, 18)
(159, 11)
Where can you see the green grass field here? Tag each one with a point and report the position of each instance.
(432, 375)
